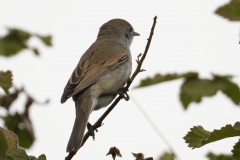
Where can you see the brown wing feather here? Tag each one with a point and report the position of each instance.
(93, 66)
(74, 80)
(96, 71)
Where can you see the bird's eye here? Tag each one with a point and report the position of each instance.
(130, 29)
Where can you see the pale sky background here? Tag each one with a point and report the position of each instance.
(188, 37)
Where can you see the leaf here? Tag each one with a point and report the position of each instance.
(158, 78)
(5, 80)
(42, 157)
(47, 40)
(7, 100)
(17, 153)
(12, 139)
(236, 150)
(212, 156)
(3, 144)
(9, 148)
(192, 90)
(230, 11)
(16, 41)
(22, 126)
(35, 51)
(13, 42)
(167, 156)
(230, 89)
(198, 136)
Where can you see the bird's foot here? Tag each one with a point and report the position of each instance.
(91, 130)
(123, 93)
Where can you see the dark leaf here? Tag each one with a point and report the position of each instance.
(13, 42)
(3, 144)
(212, 156)
(236, 150)
(192, 90)
(230, 11)
(167, 156)
(8, 99)
(22, 126)
(47, 40)
(198, 136)
(230, 89)
(16, 41)
(35, 51)
(158, 78)
(5, 80)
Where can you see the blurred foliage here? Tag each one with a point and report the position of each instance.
(236, 150)
(166, 156)
(10, 149)
(212, 156)
(11, 44)
(230, 11)
(20, 123)
(193, 89)
(5, 81)
(16, 40)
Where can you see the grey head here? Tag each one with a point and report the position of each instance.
(117, 28)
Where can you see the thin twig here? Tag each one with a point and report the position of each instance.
(154, 127)
(129, 82)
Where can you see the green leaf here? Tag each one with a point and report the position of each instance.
(47, 40)
(158, 78)
(3, 144)
(18, 153)
(16, 41)
(12, 139)
(42, 157)
(5, 80)
(13, 42)
(192, 90)
(198, 136)
(167, 156)
(212, 156)
(22, 126)
(35, 51)
(10, 150)
(230, 89)
(236, 150)
(230, 11)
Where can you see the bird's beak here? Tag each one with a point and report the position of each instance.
(136, 34)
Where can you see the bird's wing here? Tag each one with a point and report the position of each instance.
(91, 68)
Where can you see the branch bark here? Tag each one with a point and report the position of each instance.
(129, 82)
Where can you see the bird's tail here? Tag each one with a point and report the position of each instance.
(83, 106)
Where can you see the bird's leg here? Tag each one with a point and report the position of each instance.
(123, 93)
(91, 130)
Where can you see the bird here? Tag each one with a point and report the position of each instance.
(101, 71)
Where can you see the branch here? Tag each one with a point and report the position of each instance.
(129, 82)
